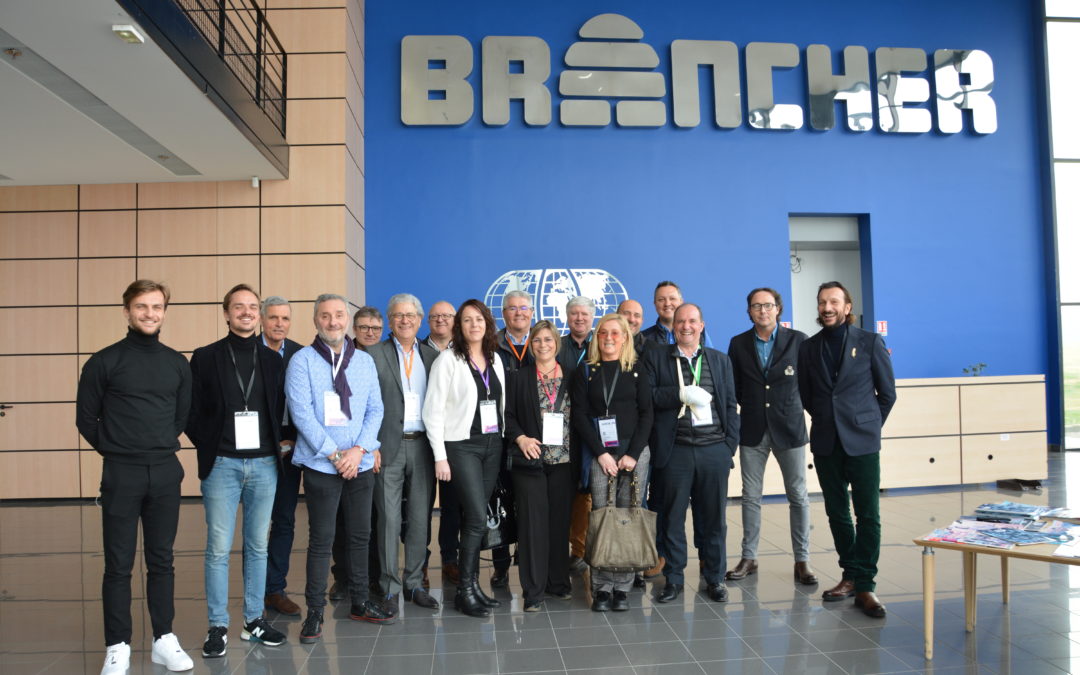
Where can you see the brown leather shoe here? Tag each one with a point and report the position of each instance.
(745, 568)
(870, 605)
(280, 603)
(844, 589)
(654, 572)
(805, 575)
(451, 573)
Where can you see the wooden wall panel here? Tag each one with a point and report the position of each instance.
(41, 475)
(188, 327)
(102, 280)
(39, 198)
(317, 176)
(192, 195)
(175, 232)
(924, 411)
(312, 30)
(303, 229)
(316, 76)
(201, 279)
(354, 238)
(36, 283)
(318, 121)
(991, 457)
(39, 235)
(305, 277)
(38, 378)
(39, 426)
(106, 233)
(107, 197)
(99, 327)
(354, 190)
(995, 408)
(16, 338)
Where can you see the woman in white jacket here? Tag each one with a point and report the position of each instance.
(463, 415)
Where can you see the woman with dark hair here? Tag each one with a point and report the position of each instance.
(613, 414)
(463, 415)
(538, 426)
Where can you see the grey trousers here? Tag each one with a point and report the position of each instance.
(408, 471)
(792, 462)
(598, 483)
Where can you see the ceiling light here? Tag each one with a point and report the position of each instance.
(128, 33)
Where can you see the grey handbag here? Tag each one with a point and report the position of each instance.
(621, 539)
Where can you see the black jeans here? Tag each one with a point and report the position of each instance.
(130, 492)
(542, 498)
(696, 476)
(474, 466)
(324, 492)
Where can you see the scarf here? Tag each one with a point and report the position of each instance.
(341, 383)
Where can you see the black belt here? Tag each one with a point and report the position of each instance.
(412, 435)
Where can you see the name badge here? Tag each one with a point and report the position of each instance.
(701, 416)
(246, 429)
(412, 406)
(332, 414)
(609, 432)
(553, 429)
(489, 417)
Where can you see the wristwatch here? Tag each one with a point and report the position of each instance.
(336, 457)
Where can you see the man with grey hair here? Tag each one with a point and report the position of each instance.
(408, 468)
(513, 340)
(276, 321)
(580, 312)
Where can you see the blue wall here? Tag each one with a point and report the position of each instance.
(956, 220)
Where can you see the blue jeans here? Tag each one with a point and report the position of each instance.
(251, 482)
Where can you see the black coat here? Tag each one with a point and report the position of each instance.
(211, 371)
(523, 409)
(769, 402)
(854, 407)
(663, 379)
(631, 404)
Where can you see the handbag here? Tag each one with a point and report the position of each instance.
(501, 524)
(621, 539)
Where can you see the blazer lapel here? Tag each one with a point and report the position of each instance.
(532, 394)
(226, 370)
(390, 356)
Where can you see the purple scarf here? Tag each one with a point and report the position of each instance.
(341, 383)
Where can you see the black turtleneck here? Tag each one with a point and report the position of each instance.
(834, 348)
(133, 400)
(244, 350)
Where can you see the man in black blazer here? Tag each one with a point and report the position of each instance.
(772, 421)
(408, 466)
(846, 384)
(237, 411)
(694, 436)
(276, 322)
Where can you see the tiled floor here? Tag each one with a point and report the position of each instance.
(50, 609)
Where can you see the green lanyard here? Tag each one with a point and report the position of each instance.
(696, 370)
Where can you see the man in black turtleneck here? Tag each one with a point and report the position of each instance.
(132, 404)
(846, 384)
(237, 410)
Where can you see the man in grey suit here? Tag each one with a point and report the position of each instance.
(408, 468)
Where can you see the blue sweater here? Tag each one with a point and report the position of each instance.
(306, 382)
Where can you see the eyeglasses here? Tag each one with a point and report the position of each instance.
(440, 317)
(368, 329)
(767, 306)
(517, 308)
(398, 316)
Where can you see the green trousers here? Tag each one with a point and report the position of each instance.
(858, 544)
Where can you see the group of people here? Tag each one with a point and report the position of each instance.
(562, 421)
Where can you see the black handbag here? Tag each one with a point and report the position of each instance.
(501, 524)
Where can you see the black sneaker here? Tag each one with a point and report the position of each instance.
(372, 612)
(257, 630)
(311, 631)
(216, 638)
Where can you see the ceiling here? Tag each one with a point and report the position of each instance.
(163, 127)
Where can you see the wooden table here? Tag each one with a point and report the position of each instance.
(1040, 552)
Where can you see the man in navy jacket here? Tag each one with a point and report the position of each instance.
(846, 384)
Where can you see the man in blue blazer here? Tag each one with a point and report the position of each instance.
(846, 384)
(694, 436)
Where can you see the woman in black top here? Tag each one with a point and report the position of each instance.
(612, 413)
(538, 401)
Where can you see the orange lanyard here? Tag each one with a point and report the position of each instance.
(520, 357)
(408, 363)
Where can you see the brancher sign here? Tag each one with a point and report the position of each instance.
(611, 65)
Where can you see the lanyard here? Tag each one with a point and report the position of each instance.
(408, 361)
(336, 366)
(554, 390)
(584, 348)
(485, 376)
(524, 348)
(245, 392)
(696, 370)
(608, 394)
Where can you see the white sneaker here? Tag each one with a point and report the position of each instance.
(117, 659)
(167, 652)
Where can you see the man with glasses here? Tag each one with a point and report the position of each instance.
(367, 326)
(513, 340)
(764, 359)
(408, 469)
(440, 326)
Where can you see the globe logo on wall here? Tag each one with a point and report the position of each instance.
(551, 289)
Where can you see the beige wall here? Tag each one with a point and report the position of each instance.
(67, 252)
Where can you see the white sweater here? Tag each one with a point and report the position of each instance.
(450, 400)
